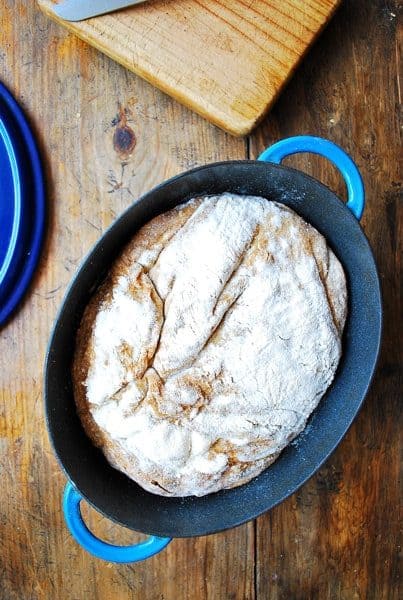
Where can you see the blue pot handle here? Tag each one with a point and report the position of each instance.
(317, 145)
(95, 546)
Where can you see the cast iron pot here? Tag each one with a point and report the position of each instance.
(115, 495)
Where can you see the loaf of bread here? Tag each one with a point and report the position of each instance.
(210, 343)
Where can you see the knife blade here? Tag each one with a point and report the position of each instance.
(77, 10)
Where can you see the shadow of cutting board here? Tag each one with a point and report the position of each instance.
(225, 59)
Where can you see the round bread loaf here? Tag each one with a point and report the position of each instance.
(212, 340)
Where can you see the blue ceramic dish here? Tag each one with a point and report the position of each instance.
(112, 493)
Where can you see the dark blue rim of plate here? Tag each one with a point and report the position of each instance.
(10, 207)
(32, 174)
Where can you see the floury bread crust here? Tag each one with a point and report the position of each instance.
(211, 342)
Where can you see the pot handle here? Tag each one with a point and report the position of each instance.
(328, 149)
(95, 546)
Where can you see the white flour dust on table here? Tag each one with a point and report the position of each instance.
(211, 342)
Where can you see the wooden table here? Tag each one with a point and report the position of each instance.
(334, 538)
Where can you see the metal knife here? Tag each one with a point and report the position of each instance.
(78, 10)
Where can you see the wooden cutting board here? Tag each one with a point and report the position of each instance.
(225, 59)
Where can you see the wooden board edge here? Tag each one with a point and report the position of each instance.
(294, 67)
(237, 127)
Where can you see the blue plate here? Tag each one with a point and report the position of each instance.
(22, 204)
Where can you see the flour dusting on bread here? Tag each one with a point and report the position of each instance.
(209, 345)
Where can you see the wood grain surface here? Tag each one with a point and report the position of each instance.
(226, 59)
(107, 136)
